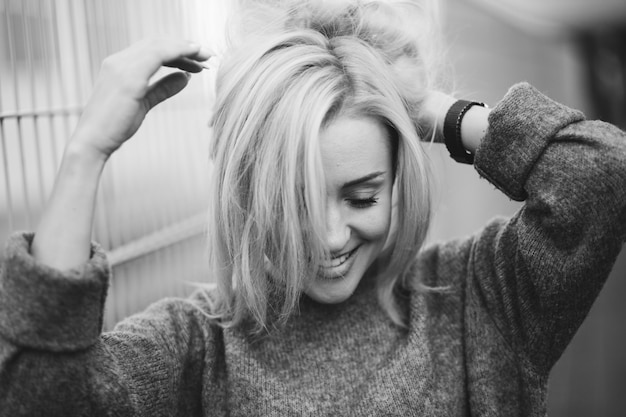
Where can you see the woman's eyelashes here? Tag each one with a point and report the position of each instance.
(362, 202)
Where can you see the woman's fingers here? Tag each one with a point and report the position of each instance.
(191, 63)
(165, 88)
(185, 64)
(147, 56)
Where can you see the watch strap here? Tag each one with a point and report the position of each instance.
(452, 130)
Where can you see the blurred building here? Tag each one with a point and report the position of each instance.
(150, 214)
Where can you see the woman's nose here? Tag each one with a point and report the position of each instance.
(337, 229)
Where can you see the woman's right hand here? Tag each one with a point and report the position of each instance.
(123, 95)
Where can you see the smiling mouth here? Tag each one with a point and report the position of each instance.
(338, 261)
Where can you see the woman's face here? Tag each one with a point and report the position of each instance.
(356, 156)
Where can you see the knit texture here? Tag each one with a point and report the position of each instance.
(517, 292)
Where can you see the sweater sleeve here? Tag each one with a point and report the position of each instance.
(539, 273)
(54, 361)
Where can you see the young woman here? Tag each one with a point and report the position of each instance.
(326, 303)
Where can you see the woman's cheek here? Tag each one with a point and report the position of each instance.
(377, 222)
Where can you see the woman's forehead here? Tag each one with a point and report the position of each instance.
(354, 147)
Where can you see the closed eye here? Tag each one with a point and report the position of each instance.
(361, 203)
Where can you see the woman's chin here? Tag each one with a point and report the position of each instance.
(330, 290)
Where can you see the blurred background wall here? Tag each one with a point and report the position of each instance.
(150, 214)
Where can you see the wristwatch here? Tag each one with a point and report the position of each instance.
(452, 130)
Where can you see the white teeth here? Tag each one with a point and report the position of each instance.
(335, 262)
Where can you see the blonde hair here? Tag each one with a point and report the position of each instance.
(291, 78)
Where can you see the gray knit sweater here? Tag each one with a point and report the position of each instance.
(518, 291)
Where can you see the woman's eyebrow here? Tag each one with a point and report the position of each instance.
(363, 179)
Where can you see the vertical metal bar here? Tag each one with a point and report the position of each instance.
(1, 73)
(33, 90)
(100, 8)
(47, 81)
(93, 34)
(4, 164)
(20, 130)
(16, 83)
(9, 27)
(91, 41)
(7, 178)
(62, 87)
(44, 79)
(72, 16)
(121, 24)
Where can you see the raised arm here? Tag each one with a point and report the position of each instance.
(121, 98)
(53, 359)
(537, 274)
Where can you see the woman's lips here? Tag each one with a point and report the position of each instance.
(338, 266)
